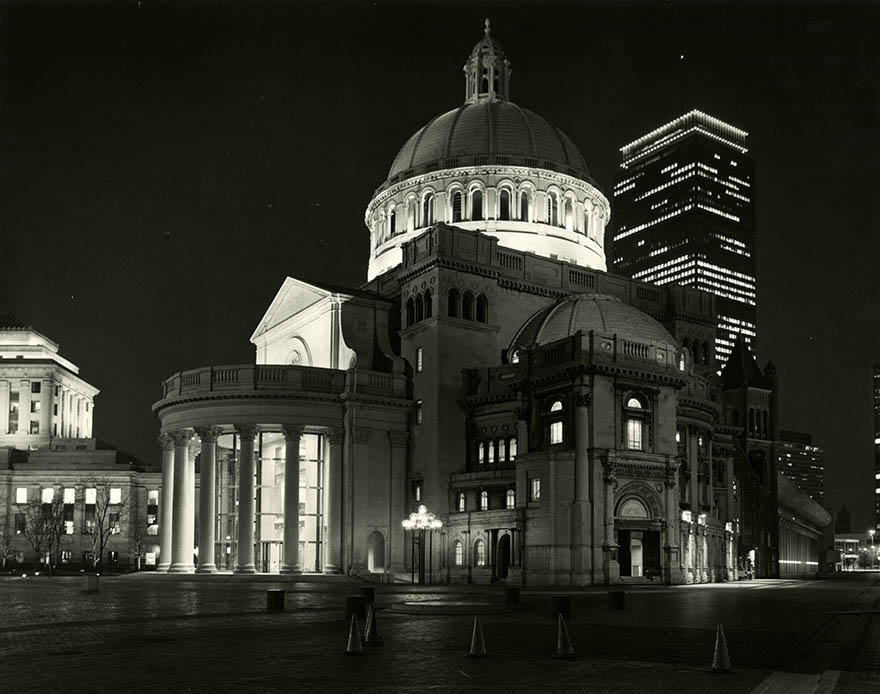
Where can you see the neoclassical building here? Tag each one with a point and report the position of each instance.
(566, 425)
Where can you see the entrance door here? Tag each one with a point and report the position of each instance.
(503, 556)
(652, 553)
(636, 557)
(623, 552)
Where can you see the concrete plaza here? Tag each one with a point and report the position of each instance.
(147, 632)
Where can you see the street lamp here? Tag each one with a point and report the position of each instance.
(421, 520)
(871, 534)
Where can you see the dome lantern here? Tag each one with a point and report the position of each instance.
(487, 71)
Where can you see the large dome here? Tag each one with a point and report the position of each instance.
(585, 312)
(488, 132)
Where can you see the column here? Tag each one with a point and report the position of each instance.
(611, 567)
(581, 506)
(207, 498)
(333, 501)
(182, 518)
(672, 569)
(356, 491)
(522, 430)
(46, 408)
(166, 503)
(24, 407)
(245, 562)
(395, 549)
(292, 560)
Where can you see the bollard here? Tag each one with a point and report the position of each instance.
(369, 594)
(355, 605)
(90, 583)
(617, 599)
(511, 595)
(562, 605)
(274, 599)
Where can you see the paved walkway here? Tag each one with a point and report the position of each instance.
(192, 634)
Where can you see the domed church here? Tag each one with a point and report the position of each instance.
(490, 405)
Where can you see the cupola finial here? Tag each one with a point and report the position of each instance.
(487, 71)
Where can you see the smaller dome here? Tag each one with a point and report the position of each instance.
(586, 312)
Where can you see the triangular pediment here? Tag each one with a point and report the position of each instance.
(294, 297)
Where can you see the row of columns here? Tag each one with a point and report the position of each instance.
(177, 512)
(72, 418)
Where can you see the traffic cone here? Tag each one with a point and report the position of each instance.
(354, 647)
(564, 649)
(478, 645)
(721, 661)
(371, 631)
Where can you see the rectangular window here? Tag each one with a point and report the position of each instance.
(555, 433)
(13, 413)
(35, 406)
(418, 411)
(55, 409)
(36, 386)
(535, 489)
(69, 495)
(68, 527)
(21, 495)
(91, 496)
(114, 524)
(19, 523)
(418, 492)
(419, 359)
(47, 495)
(66, 555)
(634, 434)
(152, 507)
(115, 495)
(35, 428)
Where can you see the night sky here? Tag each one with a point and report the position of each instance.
(164, 168)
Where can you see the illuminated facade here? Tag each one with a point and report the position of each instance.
(490, 371)
(684, 208)
(802, 462)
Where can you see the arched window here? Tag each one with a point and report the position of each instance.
(569, 215)
(482, 309)
(502, 451)
(481, 453)
(510, 499)
(552, 208)
(456, 206)
(410, 214)
(524, 211)
(485, 88)
(511, 450)
(513, 357)
(504, 205)
(467, 306)
(461, 502)
(392, 223)
(477, 204)
(635, 419)
(587, 229)
(751, 421)
(459, 553)
(452, 303)
(410, 312)
(429, 301)
(556, 427)
(420, 308)
(480, 553)
(484, 500)
(428, 210)
(490, 457)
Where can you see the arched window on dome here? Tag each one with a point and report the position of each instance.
(456, 206)
(429, 301)
(428, 210)
(510, 499)
(452, 309)
(467, 306)
(588, 231)
(482, 309)
(504, 205)
(410, 214)
(477, 204)
(410, 312)
(552, 209)
(511, 449)
(502, 451)
(569, 215)
(420, 307)
(524, 207)
(392, 222)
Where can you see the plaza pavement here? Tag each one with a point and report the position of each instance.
(153, 633)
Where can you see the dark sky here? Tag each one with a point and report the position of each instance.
(164, 168)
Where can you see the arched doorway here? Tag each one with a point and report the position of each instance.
(376, 552)
(502, 555)
(638, 540)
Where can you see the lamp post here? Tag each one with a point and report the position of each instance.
(421, 521)
(871, 535)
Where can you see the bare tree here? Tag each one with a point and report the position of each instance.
(5, 533)
(44, 529)
(137, 543)
(106, 516)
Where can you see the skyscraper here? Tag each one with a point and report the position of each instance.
(684, 213)
(877, 444)
(802, 462)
